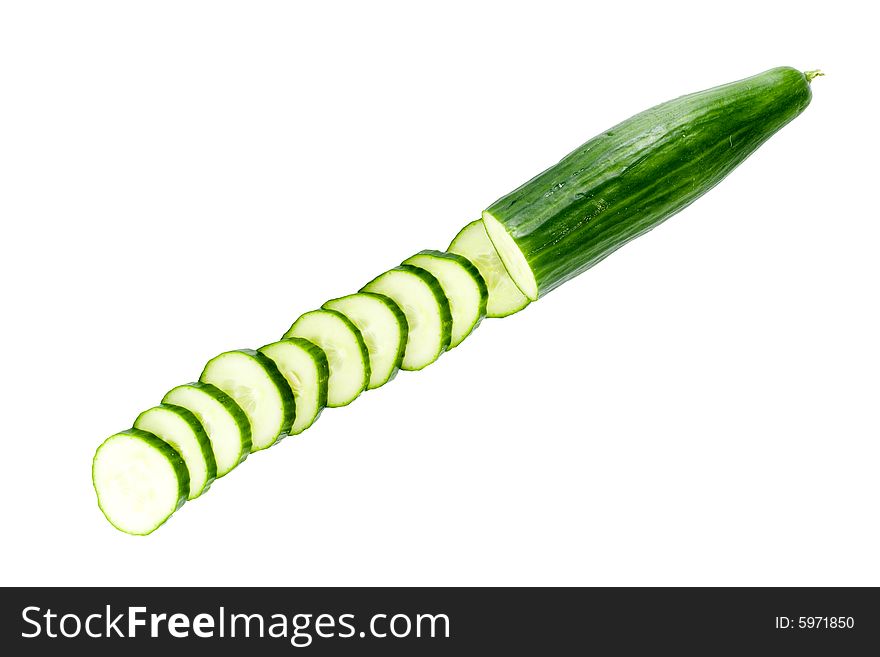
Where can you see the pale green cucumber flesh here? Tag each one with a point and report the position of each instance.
(140, 480)
(472, 242)
(256, 385)
(383, 327)
(421, 298)
(346, 352)
(183, 431)
(463, 286)
(304, 366)
(226, 424)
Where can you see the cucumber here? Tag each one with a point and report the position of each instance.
(256, 385)
(463, 286)
(473, 243)
(421, 298)
(227, 426)
(636, 175)
(180, 429)
(382, 325)
(140, 480)
(345, 349)
(304, 366)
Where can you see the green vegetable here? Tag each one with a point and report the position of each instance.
(304, 366)
(473, 243)
(182, 430)
(222, 419)
(636, 175)
(420, 296)
(383, 327)
(346, 351)
(140, 480)
(254, 382)
(463, 286)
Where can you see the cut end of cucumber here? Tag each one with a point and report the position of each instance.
(139, 480)
(513, 259)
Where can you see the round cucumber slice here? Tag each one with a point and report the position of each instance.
(140, 480)
(256, 385)
(227, 426)
(306, 370)
(345, 349)
(180, 429)
(422, 300)
(463, 285)
(382, 325)
(472, 242)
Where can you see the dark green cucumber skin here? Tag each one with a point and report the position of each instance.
(631, 178)
(175, 459)
(237, 413)
(472, 270)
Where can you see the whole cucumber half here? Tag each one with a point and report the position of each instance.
(634, 176)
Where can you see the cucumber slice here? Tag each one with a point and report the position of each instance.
(345, 350)
(382, 325)
(227, 426)
(420, 297)
(139, 480)
(304, 366)
(472, 242)
(463, 285)
(180, 429)
(256, 385)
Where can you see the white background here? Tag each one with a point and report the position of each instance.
(182, 178)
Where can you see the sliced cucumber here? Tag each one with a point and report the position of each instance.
(304, 366)
(182, 430)
(256, 385)
(222, 419)
(382, 325)
(345, 350)
(140, 480)
(463, 285)
(472, 242)
(421, 298)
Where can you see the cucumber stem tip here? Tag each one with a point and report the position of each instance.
(813, 74)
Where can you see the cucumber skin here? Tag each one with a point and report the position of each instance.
(475, 274)
(628, 180)
(175, 459)
(238, 415)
